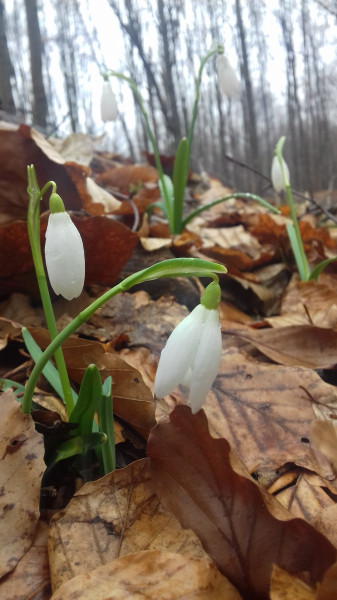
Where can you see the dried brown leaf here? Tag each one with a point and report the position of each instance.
(264, 412)
(132, 400)
(287, 587)
(108, 245)
(324, 435)
(296, 345)
(22, 467)
(150, 575)
(244, 529)
(30, 578)
(113, 517)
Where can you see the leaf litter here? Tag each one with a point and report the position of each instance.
(239, 503)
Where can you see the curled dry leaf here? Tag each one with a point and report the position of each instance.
(306, 496)
(30, 578)
(22, 467)
(244, 529)
(265, 411)
(296, 345)
(113, 517)
(151, 575)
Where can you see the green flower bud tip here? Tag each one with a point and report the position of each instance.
(211, 296)
(56, 203)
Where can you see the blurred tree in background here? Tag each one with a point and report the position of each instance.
(52, 55)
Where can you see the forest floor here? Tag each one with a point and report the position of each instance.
(236, 501)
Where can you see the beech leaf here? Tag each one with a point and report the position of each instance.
(244, 529)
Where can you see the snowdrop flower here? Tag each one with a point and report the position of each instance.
(228, 81)
(108, 103)
(64, 252)
(278, 181)
(192, 352)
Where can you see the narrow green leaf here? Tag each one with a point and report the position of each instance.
(106, 425)
(180, 173)
(315, 273)
(201, 209)
(49, 371)
(88, 399)
(174, 267)
(8, 384)
(167, 197)
(301, 267)
(80, 444)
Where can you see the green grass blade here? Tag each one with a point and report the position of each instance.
(106, 425)
(315, 273)
(50, 372)
(180, 173)
(301, 267)
(88, 399)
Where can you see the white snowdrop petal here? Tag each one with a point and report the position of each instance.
(177, 355)
(228, 81)
(64, 255)
(206, 361)
(108, 103)
(277, 176)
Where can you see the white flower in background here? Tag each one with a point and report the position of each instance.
(192, 352)
(64, 252)
(108, 103)
(277, 176)
(228, 81)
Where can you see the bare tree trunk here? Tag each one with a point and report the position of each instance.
(40, 105)
(6, 67)
(248, 98)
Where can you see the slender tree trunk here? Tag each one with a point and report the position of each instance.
(6, 67)
(40, 105)
(249, 97)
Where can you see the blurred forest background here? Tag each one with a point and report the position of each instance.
(52, 55)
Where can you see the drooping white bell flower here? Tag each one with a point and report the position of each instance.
(108, 103)
(192, 352)
(64, 252)
(228, 81)
(277, 176)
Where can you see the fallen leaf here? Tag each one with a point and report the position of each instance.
(264, 412)
(287, 587)
(150, 576)
(327, 589)
(244, 529)
(108, 245)
(124, 177)
(324, 435)
(297, 345)
(132, 400)
(30, 578)
(113, 517)
(306, 497)
(21, 452)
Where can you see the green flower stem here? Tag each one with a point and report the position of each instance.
(303, 267)
(133, 86)
(218, 50)
(178, 267)
(247, 195)
(33, 223)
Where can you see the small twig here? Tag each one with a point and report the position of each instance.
(248, 167)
